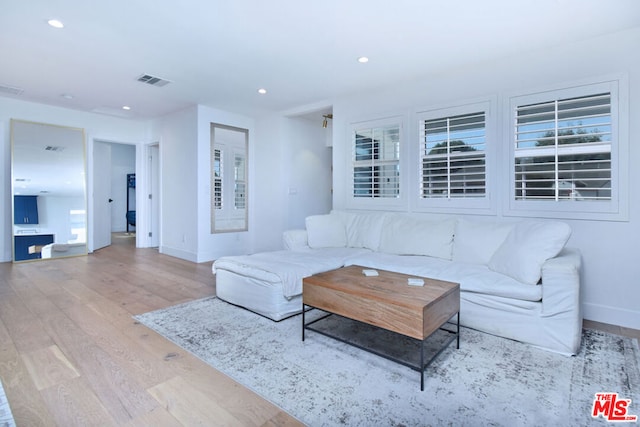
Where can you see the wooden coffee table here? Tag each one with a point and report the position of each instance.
(386, 301)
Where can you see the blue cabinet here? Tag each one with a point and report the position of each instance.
(29, 246)
(25, 209)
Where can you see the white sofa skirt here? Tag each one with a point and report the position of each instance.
(259, 296)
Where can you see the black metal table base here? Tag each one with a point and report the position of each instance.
(421, 367)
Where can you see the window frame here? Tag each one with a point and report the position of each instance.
(615, 209)
(478, 205)
(377, 203)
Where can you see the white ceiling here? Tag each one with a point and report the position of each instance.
(218, 53)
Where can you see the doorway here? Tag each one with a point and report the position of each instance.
(114, 196)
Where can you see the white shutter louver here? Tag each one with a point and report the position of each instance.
(563, 149)
(217, 179)
(452, 152)
(376, 162)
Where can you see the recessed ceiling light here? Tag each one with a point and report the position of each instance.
(363, 60)
(126, 107)
(67, 96)
(55, 23)
(262, 91)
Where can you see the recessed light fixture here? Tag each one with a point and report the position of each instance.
(363, 60)
(126, 107)
(55, 23)
(262, 91)
(67, 96)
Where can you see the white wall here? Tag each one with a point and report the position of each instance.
(212, 246)
(284, 153)
(308, 167)
(611, 289)
(268, 196)
(178, 136)
(96, 126)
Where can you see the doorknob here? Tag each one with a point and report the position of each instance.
(110, 200)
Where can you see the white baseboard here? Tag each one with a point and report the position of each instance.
(612, 315)
(179, 253)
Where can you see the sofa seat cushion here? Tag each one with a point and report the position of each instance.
(287, 267)
(407, 264)
(481, 279)
(472, 277)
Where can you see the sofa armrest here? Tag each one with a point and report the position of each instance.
(561, 301)
(561, 282)
(295, 240)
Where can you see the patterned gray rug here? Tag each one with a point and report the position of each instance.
(321, 381)
(6, 418)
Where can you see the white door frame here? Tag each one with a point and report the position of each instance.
(141, 170)
(152, 197)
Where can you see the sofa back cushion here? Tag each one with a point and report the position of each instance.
(326, 231)
(364, 230)
(476, 241)
(407, 235)
(527, 247)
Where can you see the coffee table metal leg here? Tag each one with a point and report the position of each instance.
(422, 367)
(303, 322)
(458, 333)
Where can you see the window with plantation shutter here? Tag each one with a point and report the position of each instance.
(563, 149)
(376, 162)
(452, 156)
(568, 152)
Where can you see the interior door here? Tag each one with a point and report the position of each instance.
(101, 194)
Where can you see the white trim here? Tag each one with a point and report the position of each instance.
(612, 315)
(617, 209)
(483, 205)
(378, 203)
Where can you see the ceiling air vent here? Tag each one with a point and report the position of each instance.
(152, 80)
(12, 90)
(53, 148)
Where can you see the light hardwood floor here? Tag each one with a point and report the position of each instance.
(71, 354)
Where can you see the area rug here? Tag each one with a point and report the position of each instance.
(6, 418)
(489, 381)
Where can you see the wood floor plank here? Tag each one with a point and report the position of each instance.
(123, 397)
(26, 330)
(48, 367)
(73, 403)
(159, 417)
(27, 406)
(130, 357)
(189, 406)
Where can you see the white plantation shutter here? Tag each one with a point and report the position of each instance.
(217, 178)
(376, 162)
(563, 149)
(240, 177)
(452, 157)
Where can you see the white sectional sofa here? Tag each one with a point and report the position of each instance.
(517, 279)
